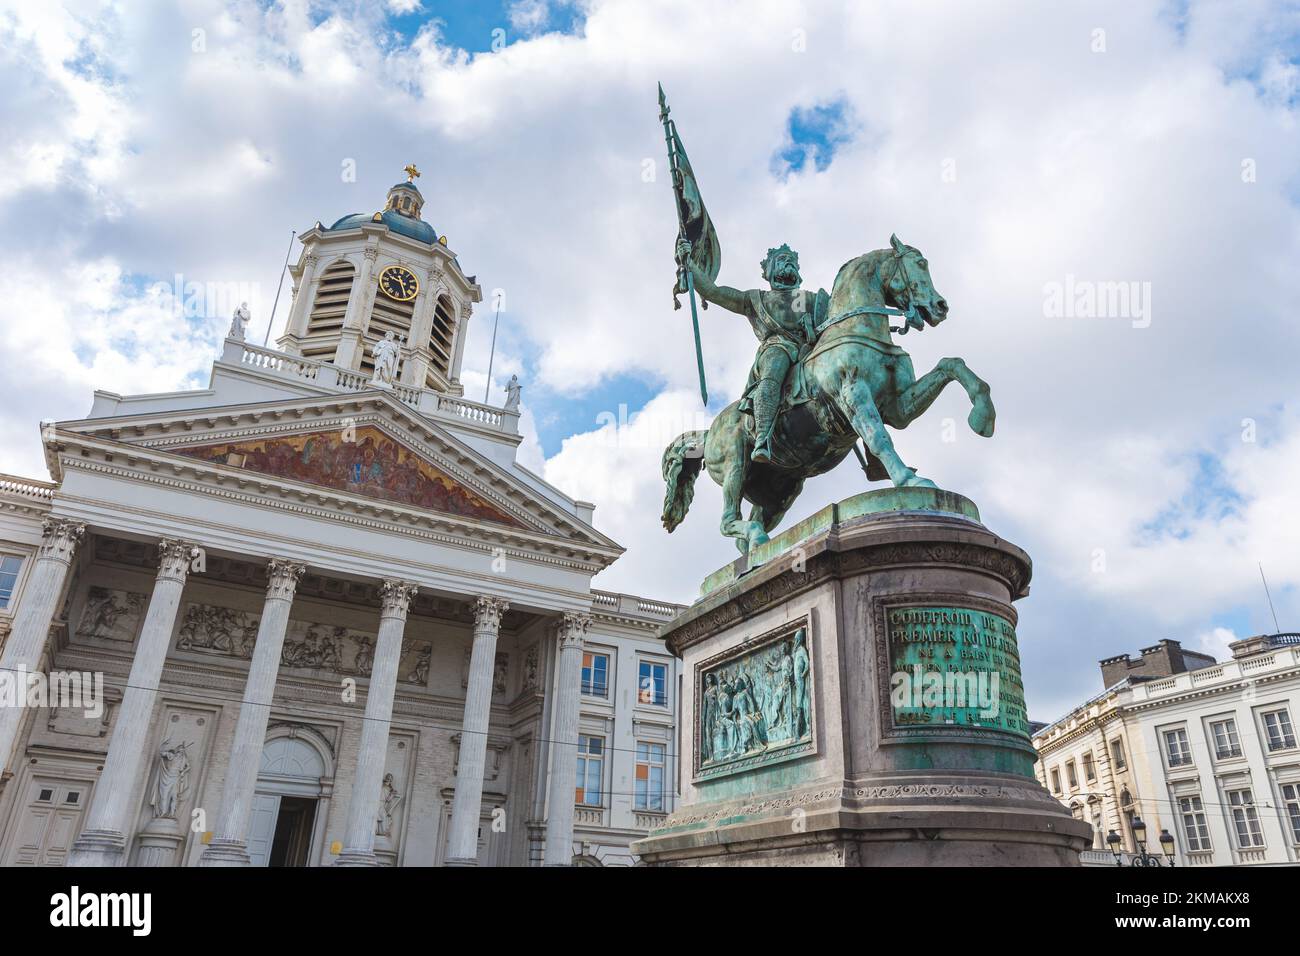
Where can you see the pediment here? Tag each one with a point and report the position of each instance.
(359, 459)
(361, 452)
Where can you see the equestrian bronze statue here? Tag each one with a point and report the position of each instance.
(827, 372)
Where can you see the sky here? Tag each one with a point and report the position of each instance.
(1045, 157)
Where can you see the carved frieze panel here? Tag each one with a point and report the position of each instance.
(111, 614)
(222, 631)
(310, 646)
(754, 703)
(500, 669)
(414, 666)
(532, 679)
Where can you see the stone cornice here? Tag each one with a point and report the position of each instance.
(1092, 724)
(1212, 690)
(875, 542)
(461, 541)
(26, 496)
(225, 687)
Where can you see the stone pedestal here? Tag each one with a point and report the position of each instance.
(159, 843)
(855, 700)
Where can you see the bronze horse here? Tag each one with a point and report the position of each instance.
(855, 381)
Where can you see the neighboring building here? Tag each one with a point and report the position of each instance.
(335, 618)
(1205, 750)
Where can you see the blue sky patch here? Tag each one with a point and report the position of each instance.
(1209, 497)
(616, 399)
(814, 134)
(481, 27)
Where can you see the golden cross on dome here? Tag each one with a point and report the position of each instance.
(411, 172)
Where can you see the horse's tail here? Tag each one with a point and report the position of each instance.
(681, 466)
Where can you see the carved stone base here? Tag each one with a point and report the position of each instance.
(932, 820)
(159, 843)
(459, 861)
(98, 848)
(807, 734)
(225, 853)
(354, 857)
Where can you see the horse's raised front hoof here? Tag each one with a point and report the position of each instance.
(981, 418)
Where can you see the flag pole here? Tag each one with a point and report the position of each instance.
(681, 234)
(493, 353)
(271, 321)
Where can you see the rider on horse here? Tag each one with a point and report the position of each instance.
(783, 318)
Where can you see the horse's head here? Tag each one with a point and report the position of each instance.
(905, 280)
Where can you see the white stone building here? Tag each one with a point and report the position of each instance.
(335, 619)
(1205, 750)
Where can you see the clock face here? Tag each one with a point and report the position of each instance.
(399, 283)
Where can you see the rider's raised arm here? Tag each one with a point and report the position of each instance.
(733, 300)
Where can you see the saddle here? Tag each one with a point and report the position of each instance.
(796, 397)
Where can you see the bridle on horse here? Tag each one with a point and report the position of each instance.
(909, 313)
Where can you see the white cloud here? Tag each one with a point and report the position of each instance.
(528, 15)
(1215, 643)
(130, 158)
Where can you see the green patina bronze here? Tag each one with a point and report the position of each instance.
(954, 667)
(881, 501)
(827, 372)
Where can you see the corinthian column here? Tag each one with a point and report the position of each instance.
(462, 848)
(103, 839)
(229, 846)
(564, 747)
(359, 842)
(36, 608)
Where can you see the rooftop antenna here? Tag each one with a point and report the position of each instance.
(1276, 628)
(267, 337)
(493, 353)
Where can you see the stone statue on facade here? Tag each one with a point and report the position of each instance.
(389, 798)
(172, 780)
(239, 322)
(512, 394)
(827, 374)
(387, 352)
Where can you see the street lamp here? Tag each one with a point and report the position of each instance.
(1142, 857)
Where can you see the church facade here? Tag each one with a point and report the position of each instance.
(317, 613)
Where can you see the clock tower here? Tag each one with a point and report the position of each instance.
(374, 273)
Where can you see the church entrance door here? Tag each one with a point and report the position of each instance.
(284, 828)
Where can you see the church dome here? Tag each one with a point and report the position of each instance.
(408, 226)
(401, 213)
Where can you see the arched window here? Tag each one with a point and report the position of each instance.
(292, 757)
